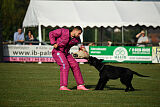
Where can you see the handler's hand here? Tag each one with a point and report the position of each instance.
(55, 45)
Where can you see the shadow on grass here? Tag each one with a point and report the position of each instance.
(113, 88)
(93, 86)
(109, 87)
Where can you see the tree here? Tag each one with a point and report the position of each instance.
(1, 45)
(12, 15)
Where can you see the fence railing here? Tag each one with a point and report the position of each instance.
(87, 43)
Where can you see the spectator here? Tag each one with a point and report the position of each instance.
(29, 36)
(19, 37)
(142, 39)
(109, 43)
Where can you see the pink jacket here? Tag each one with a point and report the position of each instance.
(62, 38)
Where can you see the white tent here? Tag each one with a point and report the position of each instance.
(92, 13)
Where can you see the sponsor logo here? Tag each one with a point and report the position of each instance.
(120, 54)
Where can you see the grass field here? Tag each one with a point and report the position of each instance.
(37, 85)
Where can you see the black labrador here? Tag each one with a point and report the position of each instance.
(112, 72)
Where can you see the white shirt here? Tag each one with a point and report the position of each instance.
(142, 39)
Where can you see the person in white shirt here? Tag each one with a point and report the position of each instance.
(142, 39)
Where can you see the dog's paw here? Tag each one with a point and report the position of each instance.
(126, 90)
(132, 89)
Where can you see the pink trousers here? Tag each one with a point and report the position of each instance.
(66, 62)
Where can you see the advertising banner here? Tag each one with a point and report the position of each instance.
(122, 53)
(31, 53)
(27, 53)
(155, 54)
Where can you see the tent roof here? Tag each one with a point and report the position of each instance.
(92, 13)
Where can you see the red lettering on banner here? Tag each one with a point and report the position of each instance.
(34, 59)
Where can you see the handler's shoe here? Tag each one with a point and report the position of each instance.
(64, 88)
(81, 87)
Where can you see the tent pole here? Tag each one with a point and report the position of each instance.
(122, 35)
(112, 39)
(96, 34)
(146, 33)
(39, 34)
(40, 39)
(44, 34)
(101, 36)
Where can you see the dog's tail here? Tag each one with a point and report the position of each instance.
(139, 74)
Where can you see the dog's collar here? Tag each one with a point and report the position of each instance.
(101, 68)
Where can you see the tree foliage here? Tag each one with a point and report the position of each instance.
(11, 15)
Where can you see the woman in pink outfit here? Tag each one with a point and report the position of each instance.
(62, 40)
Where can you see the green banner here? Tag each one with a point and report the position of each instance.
(122, 53)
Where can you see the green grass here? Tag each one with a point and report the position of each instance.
(37, 85)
